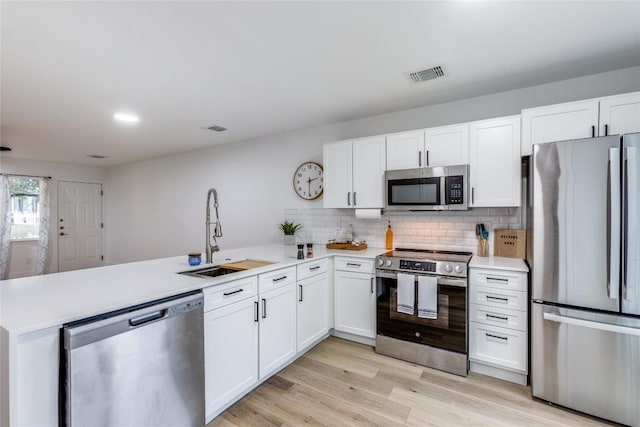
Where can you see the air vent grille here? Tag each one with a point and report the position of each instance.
(97, 156)
(216, 128)
(424, 75)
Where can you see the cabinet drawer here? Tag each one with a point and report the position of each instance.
(499, 279)
(276, 279)
(226, 293)
(499, 346)
(513, 300)
(312, 268)
(497, 316)
(354, 264)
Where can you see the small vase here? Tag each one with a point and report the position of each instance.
(290, 249)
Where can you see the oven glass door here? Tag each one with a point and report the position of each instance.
(448, 331)
(414, 192)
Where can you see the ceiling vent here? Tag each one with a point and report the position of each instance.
(97, 156)
(216, 128)
(424, 75)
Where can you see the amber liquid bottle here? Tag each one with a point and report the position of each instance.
(389, 237)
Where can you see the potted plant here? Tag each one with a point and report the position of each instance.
(289, 229)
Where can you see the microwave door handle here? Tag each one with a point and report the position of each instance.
(630, 282)
(443, 192)
(613, 222)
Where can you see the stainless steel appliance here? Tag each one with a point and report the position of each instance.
(439, 342)
(585, 346)
(427, 189)
(142, 366)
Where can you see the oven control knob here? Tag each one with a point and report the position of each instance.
(448, 268)
(458, 268)
(380, 262)
(389, 263)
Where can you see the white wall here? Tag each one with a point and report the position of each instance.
(21, 254)
(157, 207)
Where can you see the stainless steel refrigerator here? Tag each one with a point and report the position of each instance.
(585, 342)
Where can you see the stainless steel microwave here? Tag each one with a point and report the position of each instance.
(428, 189)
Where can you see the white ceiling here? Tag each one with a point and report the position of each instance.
(264, 68)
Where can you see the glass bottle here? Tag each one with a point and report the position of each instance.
(389, 237)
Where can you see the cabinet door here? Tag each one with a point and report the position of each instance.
(405, 150)
(560, 122)
(355, 303)
(337, 158)
(447, 145)
(277, 328)
(230, 353)
(313, 322)
(495, 162)
(368, 172)
(620, 114)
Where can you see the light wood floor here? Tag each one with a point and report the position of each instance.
(341, 383)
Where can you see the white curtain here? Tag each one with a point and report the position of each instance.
(5, 225)
(43, 232)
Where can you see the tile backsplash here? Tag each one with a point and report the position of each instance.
(453, 231)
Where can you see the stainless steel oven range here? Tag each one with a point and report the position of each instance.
(422, 308)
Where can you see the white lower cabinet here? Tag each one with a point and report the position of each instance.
(355, 297)
(277, 328)
(498, 343)
(313, 303)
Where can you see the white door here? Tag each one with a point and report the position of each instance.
(368, 172)
(355, 303)
(79, 225)
(313, 322)
(573, 120)
(277, 328)
(230, 353)
(405, 150)
(495, 162)
(447, 145)
(337, 175)
(620, 114)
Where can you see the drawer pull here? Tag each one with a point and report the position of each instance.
(255, 318)
(264, 308)
(278, 279)
(493, 316)
(354, 264)
(314, 268)
(505, 300)
(498, 280)
(300, 299)
(226, 294)
(496, 336)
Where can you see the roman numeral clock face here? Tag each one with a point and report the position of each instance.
(308, 181)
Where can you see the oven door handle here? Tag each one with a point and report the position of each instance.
(447, 281)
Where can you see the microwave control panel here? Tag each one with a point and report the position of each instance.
(454, 190)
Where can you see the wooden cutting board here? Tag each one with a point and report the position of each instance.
(247, 264)
(347, 246)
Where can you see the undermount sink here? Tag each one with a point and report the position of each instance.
(221, 270)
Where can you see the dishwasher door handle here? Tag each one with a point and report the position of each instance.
(146, 318)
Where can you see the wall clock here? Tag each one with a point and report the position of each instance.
(308, 181)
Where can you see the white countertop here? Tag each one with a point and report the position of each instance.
(39, 302)
(498, 263)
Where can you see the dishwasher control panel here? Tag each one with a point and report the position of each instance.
(186, 307)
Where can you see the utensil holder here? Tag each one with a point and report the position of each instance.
(483, 247)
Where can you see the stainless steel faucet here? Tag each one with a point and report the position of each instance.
(217, 228)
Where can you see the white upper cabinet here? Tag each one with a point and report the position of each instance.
(447, 145)
(439, 146)
(405, 150)
(620, 114)
(583, 119)
(495, 162)
(354, 173)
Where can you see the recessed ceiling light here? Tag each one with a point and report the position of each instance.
(126, 117)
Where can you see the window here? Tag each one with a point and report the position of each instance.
(24, 205)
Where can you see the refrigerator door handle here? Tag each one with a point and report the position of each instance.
(613, 222)
(591, 324)
(630, 280)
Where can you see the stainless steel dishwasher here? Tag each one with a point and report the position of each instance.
(137, 367)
